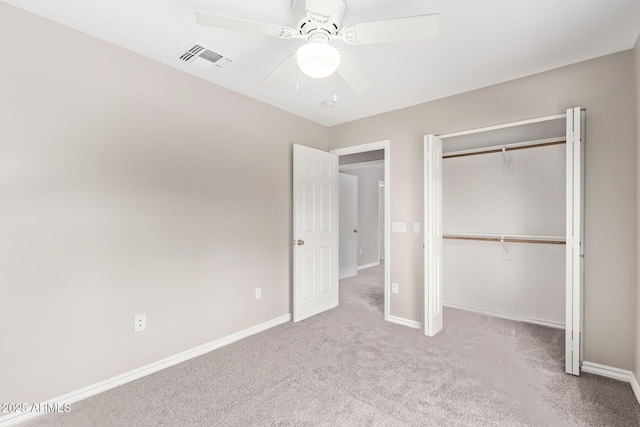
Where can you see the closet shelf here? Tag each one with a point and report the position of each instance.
(507, 238)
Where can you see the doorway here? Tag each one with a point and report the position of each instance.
(370, 163)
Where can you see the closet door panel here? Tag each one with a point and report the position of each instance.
(433, 289)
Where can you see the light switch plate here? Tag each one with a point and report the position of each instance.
(416, 227)
(399, 227)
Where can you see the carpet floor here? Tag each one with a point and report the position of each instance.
(348, 367)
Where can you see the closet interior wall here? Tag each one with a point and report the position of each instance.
(504, 223)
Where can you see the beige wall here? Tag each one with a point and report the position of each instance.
(128, 187)
(604, 87)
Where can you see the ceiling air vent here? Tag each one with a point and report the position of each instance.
(199, 56)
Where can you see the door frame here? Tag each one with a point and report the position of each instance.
(575, 181)
(380, 240)
(363, 148)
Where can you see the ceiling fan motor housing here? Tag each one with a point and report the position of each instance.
(318, 16)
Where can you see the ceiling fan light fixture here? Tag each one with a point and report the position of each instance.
(318, 59)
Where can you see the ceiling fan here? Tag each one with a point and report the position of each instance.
(320, 22)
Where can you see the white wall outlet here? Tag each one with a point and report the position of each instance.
(416, 227)
(394, 288)
(140, 323)
(258, 293)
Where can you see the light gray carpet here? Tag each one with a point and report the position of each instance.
(348, 367)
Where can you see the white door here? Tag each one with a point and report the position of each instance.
(380, 220)
(348, 189)
(315, 231)
(433, 319)
(575, 248)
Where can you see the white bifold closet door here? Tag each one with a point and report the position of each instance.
(433, 317)
(575, 239)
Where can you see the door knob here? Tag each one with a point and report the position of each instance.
(300, 242)
(355, 231)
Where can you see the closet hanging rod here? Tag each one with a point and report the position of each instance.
(549, 240)
(499, 149)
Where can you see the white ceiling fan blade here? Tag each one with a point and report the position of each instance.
(243, 25)
(353, 74)
(285, 69)
(412, 28)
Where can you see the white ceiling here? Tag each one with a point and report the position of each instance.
(482, 42)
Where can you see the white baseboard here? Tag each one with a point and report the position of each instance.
(635, 387)
(615, 373)
(373, 264)
(506, 316)
(607, 371)
(419, 325)
(102, 386)
(404, 322)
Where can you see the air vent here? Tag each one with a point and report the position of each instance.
(210, 56)
(199, 56)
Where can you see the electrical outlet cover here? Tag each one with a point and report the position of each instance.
(140, 323)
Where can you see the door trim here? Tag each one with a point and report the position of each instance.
(380, 239)
(363, 148)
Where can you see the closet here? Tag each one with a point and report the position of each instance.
(503, 218)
